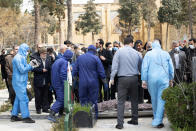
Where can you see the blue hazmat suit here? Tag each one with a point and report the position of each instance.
(157, 71)
(90, 69)
(59, 76)
(19, 81)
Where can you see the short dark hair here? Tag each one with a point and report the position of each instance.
(67, 42)
(107, 44)
(194, 40)
(130, 36)
(128, 40)
(101, 41)
(84, 49)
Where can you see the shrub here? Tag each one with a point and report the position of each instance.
(77, 107)
(179, 105)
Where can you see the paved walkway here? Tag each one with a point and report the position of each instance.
(144, 125)
(41, 123)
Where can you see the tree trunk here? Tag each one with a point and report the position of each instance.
(69, 26)
(190, 19)
(148, 29)
(129, 28)
(93, 38)
(60, 32)
(37, 22)
(167, 34)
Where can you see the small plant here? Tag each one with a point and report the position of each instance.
(78, 107)
(5, 107)
(179, 106)
(59, 125)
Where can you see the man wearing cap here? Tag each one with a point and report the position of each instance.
(42, 81)
(90, 69)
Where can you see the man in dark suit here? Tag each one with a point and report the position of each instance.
(42, 81)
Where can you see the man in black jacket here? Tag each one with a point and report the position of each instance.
(191, 52)
(106, 59)
(42, 81)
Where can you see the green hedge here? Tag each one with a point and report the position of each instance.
(179, 105)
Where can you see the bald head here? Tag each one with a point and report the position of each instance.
(63, 48)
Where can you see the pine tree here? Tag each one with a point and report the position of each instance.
(129, 15)
(89, 21)
(149, 13)
(169, 13)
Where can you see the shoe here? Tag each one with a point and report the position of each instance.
(38, 112)
(118, 126)
(46, 111)
(52, 117)
(160, 126)
(28, 120)
(15, 118)
(132, 122)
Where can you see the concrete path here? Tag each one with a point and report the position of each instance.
(41, 123)
(144, 125)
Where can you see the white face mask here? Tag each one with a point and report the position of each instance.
(110, 49)
(192, 47)
(177, 49)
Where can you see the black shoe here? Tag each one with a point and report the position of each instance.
(15, 118)
(28, 120)
(132, 122)
(160, 126)
(118, 126)
(38, 112)
(46, 111)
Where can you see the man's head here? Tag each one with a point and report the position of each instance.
(175, 44)
(39, 46)
(192, 41)
(128, 41)
(15, 49)
(63, 48)
(43, 53)
(108, 46)
(67, 43)
(116, 44)
(138, 45)
(3, 51)
(99, 43)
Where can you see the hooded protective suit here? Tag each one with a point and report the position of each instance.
(157, 71)
(90, 69)
(19, 81)
(59, 76)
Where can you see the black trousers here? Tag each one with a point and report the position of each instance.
(127, 86)
(106, 93)
(41, 97)
(114, 88)
(11, 91)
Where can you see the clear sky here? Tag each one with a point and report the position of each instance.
(27, 4)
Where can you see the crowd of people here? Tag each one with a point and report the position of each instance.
(132, 70)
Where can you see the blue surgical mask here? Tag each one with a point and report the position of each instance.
(115, 48)
(98, 49)
(180, 47)
(192, 47)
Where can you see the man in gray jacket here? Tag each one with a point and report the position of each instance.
(127, 65)
(179, 62)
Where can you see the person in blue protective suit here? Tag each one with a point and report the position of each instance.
(90, 69)
(59, 76)
(19, 82)
(157, 75)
